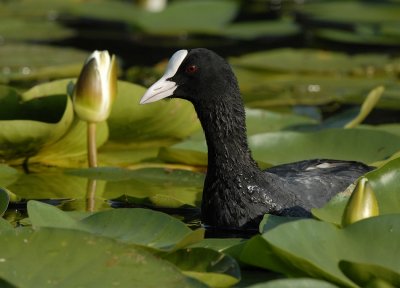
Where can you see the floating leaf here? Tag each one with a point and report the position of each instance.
(364, 35)
(25, 128)
(351, 12)
(217, 244)
(132, 123)
(45, 215)
(210, 16)
(289, 146)
(103, 262)
(136, 226)
(270, 221)
(5, 225)
(323, 246)
(8, 175)
(310, 61)
(142, 226)
(366, 274)
(298, 283)
(4, 200)
(175, 19)
(285, 147)
(13, 29)
(261, 121)
(259, 253)
(209, 266)
(261, 29)
(27, 62)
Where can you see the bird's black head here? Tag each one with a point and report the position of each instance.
(198, 75)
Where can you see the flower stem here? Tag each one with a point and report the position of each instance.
(91, 144)
(90, 195)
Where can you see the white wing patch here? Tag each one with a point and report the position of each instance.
(325, 165)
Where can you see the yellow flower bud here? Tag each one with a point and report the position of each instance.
(362, 203)
(96, 87)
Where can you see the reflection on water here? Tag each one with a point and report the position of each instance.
(175, 192)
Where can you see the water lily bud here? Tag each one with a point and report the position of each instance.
(96, 87)
(362, 203)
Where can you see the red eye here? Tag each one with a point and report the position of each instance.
(190, 69)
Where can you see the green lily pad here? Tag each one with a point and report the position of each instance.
(323, 246)
(266, 90)
(4, 200)
(144, 227)
(289, 146)
(384, 182)
(210, 16)
(163, 122)
(311, 61)
(60, 138)
(103, 262)
(298, 283)
(364, 35)
(259, 253)
(352, 12)
(366, 274)
(371, 23)
(28, 62)
(137, 132)
(8, 175)
(41, 9)
(175, 19)
(344, 144)
(260, 29)
(211, 267)
(26, 129)
(217, 244)
(149, 228)
(5, 225)
(261, 121)
(192, 151)
(13, 29)
(70, 149)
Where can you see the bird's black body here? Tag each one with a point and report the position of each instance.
(236, 192)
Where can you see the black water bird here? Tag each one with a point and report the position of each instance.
(236, 192)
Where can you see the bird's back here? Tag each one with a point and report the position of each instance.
(317, 181)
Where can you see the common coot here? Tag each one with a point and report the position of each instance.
(236, 192)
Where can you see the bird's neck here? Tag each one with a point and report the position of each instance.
(224, 126)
